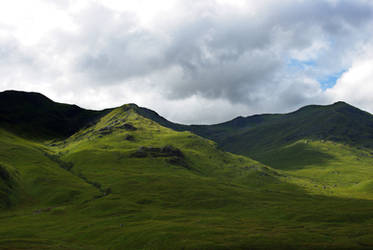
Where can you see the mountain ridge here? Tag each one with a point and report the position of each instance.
(32, 114)
(340, 122)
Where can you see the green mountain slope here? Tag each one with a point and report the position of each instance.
(125, 169)
(126, 181)
(325, 149)
(30, 177)
(339, 122)
(326, 167)
(257, 135)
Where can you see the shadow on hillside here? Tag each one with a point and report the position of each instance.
(294, 157)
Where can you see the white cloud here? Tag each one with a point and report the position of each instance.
(356, 85)
(192, 61)
(29, 21)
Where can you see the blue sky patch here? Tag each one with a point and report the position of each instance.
(299, 65)
(330, 80)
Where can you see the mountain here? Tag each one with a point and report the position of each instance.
(125, 182)
(33, 114)
(258, 135)
(126, 178)
(339, 122)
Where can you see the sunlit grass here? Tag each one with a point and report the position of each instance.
(110, 199)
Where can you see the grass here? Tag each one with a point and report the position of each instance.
(38, 180)
(326, 167)
(90, 191)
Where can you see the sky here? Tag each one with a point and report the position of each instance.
(197, 62)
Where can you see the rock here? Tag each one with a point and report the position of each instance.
(128, 126)
(108, 191)
(129, 138)
(140, 153)
(4, 174)
(106, 130)
(178, 161)
(170, 150)
(155, 151)
(167, 151)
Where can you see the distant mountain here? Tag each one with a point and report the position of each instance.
(339, 122)
(33, 115)
(254, 135)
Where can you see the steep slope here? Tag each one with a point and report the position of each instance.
(29, 176)
(34, 115)
(124, 134)
(8, 183)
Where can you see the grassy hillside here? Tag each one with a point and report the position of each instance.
(250, 136)
(30, 177)
(325, 167)
(324, 149)
(126, 182)
(339, 122)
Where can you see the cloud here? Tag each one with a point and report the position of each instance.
(235, 57)
(356, 85)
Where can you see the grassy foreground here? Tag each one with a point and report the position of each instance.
(128, 183)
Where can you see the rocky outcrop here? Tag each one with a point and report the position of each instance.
(166, 151)
(128, 127)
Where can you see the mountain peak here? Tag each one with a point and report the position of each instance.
(340, 103)
(130, 105)
(14, 97)
(339, 106)
(34, 115)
